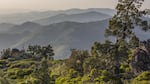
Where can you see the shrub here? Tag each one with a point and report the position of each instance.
(22, 73)
(31, 80)
(18, 73)
(4, 81)
(143, 78)
(125, 68)
(73, 74)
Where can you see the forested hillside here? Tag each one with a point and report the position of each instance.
(126, 60)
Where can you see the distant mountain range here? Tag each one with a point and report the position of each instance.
(64, 30)
(82, 17)
(20, 18)
(63, 36)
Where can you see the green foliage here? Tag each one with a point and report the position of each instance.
(72, 77)
(91, 63)
(21, 64)
(134, 42)
(143, 78)
(18, 73)
(58, 69)
(34, 81)
(67, 80)
(42, 73)
(3, 61)
(76, 60)
(125, 67)
(128, 15)
(27, 71)
(110, 54)
(86, 79)
(5, 53)
(61, 80)
(103, 76)
(38, 51)
(73, 74)
(4, 81)
(108, 62)
(22, 73)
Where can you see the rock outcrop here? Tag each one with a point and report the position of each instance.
(141, 58)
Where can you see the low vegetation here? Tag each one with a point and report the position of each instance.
(125, 61)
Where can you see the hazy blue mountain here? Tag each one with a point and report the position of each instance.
(74, 28)
(7, 40)
(25, 27)
(63, 36)
(19, 18)
(107, 11)
(5, 26)
(82, 18)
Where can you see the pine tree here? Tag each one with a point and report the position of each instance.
(42, 51)
(128, 17)
(134, 42)
(42, 72)
(77, 59)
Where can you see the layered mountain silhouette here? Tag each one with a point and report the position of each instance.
(82, 17)
(64, 30)
(5, 26)
(19, 18)
(62, 36)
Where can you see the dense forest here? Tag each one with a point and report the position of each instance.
(125, 61)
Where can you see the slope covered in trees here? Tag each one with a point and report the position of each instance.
(125, 61)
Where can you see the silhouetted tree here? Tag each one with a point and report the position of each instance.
(129, 16)
(41, 51)
(76, 60)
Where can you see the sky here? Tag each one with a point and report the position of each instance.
(42, 5)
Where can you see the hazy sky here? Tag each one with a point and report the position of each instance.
(18, 5)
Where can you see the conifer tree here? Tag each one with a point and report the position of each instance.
(42, 72)
(128, 17)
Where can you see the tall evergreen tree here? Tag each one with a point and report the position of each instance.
(129, 16)
(42, 72)
(42, 51)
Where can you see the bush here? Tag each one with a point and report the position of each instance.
(143, 78)
(68, 80)
(18, 73)
(85, 79)
(4, 81)
(21, 64)
(31, 80)
(22, 73)
(3, 62)
(125, 68)
(73, 74)
(72, 77)
(62, 80)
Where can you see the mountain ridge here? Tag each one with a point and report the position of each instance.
(19, 18)
(82, 17)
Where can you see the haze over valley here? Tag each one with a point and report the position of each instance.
(64, 30)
